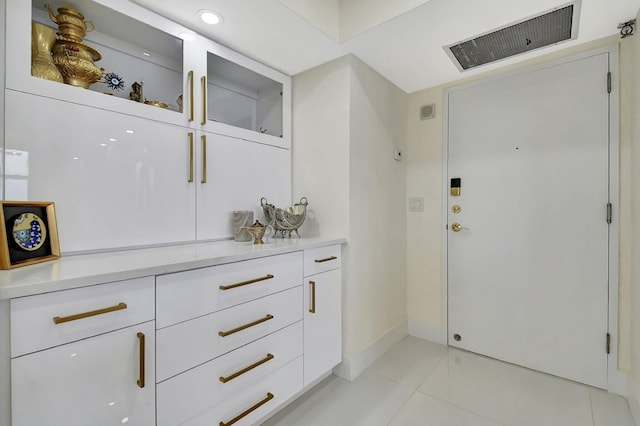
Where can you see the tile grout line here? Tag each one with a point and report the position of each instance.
(593, 417)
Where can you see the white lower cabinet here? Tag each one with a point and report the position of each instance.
(246, 407)
(100, 355)
(212, 384)
(322, 313)
(104, 380)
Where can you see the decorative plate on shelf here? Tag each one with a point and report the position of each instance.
(29, 231)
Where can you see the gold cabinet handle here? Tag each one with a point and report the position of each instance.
(204, 158)
(120, 306)
(191, 107)
(140, 381)
(268, 358)
(240, 416)
(244, 327)
(326, 259)
(312, 309)
(204, 99)
(190, 157)
(256, 280)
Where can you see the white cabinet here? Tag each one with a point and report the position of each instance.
(238, 174)
(229, 341)
(84, 356)
(240, 97)
(96, 381)
(126, 174)
(322, 312)
(116, 180)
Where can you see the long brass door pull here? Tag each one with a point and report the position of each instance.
(120, 306)
(256, 280)
(244, 327)
(269, 357)
(190, 157)
(190, 96)
(203, 80)
(240, 416)
(327, 259)
(140, 381)
(312, 309)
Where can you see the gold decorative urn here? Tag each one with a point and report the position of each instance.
(42, 65)
(74, 59)
(71, 23)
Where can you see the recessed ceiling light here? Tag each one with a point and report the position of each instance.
(210, 17)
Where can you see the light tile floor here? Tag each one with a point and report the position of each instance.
(422, 383)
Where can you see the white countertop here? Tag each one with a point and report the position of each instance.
(89, 269)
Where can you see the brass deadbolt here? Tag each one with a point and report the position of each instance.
(456, 209)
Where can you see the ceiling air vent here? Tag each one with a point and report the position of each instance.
(540, 31)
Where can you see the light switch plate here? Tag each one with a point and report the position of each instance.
(416, 204)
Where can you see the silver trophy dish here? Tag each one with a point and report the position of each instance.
(287, 220)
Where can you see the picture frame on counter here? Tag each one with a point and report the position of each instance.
(29, 233)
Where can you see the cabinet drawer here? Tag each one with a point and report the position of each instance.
(266, 394)
(51, 319)
(322, 259)
(191, 343)
(186, 295)
(201, 388)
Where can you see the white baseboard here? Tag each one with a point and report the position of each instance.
(618, 383)
(633, 397)
(351, 367)
(427, 332)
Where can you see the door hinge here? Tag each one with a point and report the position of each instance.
(609, 212)
(608, 343)
(609, 82)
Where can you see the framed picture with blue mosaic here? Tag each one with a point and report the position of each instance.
(29, 233)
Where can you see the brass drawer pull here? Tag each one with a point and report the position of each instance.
(244, 327)
(140, 381)
(312, 309)
(269, 357)
(268, 398)
(190, 96)
(120, 306)
(256, 280)
(327, 259)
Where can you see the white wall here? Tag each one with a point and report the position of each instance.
(424, 179)
(634, 231)
(347, 120)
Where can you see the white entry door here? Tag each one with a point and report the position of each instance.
(528, 266)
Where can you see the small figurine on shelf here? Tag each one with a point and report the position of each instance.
(179, 102)
(137, 95)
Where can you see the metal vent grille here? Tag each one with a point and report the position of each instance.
(534, 33)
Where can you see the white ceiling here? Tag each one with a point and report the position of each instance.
(407, 48)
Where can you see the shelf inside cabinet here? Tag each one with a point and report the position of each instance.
(241, 97)
(132, 53)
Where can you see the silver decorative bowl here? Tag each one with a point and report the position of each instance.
(287, 220)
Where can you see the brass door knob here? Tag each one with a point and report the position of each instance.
(456, 227)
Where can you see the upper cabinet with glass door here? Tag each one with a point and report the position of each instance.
(109, 54)
(238, 96)
(117, 55)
